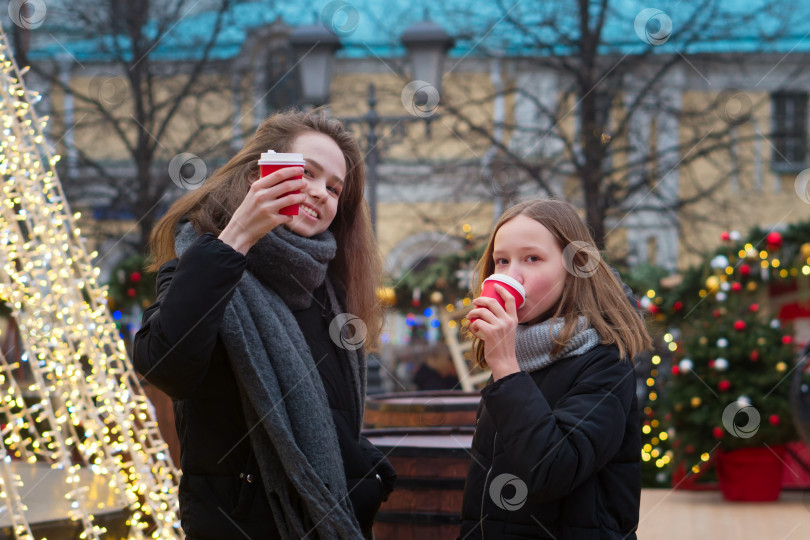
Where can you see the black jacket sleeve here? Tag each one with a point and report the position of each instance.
(173, 348)
(382, 467)
(555, 450)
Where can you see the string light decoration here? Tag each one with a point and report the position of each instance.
(9, 483)
(72, 400)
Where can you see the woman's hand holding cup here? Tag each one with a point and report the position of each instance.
(259, 212)
(494, 321)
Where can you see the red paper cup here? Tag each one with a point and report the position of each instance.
(510, 284)
(271, 161)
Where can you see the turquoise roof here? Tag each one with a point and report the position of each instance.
(373, 27)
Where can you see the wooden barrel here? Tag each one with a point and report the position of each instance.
(164, 412)
(422, 409)
(431, 465)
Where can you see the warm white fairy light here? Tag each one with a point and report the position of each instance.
(92, 413)
(9, 482)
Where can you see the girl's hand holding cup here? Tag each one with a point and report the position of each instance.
(494, 321)
(261, 209)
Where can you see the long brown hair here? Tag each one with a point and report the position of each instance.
(590, 288)
(357, 264)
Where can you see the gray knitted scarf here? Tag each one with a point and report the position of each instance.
(283, 398)
(533, 344)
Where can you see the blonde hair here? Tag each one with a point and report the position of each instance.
(591, 290)
(357, 264)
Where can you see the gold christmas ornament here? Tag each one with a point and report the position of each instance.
(781, 367)
(712, 284)
(805, 250)
(387, 296)
(696, 402)
(436, 297)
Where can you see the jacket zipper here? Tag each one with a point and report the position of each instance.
(486, 481)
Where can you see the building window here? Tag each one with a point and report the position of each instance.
(789, 131)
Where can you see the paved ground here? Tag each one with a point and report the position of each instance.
(684, 515)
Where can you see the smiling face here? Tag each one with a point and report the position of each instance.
(527, 251)
(324, 172)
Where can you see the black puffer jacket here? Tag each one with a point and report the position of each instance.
(179, 350)
(557, 453)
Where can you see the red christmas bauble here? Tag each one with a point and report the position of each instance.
(745, 270)
(787, 340)
(774, 419)
(677, 306)
(774, 240)
(724, 385)
(717, 313)
(690, 449)
(736, 286)
(676, 370)
(711, 363)
(653, 309)
(717, 432)
(753, 308)
(754, 355)
(739, 325)
(131, 292)
(725, 236)
(135, 277)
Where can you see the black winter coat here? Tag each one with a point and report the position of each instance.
(557, 453)
(179, 350)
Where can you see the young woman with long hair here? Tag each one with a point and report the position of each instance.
(557, 447)
(257, 335)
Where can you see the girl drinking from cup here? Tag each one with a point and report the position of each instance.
(557, 447)
(257, 334)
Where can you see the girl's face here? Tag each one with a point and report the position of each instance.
(527, 251)
(324, 173)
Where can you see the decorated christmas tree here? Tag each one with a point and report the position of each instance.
(729, 387)
(728, 384)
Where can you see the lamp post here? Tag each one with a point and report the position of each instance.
(315, 47)
(427, 44)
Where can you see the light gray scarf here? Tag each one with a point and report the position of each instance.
(533, 343)
(286, 410)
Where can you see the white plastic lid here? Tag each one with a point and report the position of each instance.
(512, 282)
(271, 156)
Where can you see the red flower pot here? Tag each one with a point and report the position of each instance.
(751, 474)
